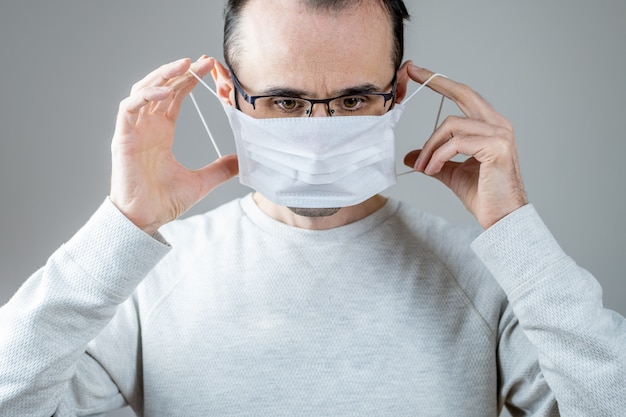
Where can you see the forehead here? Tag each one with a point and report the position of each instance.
(285, 42)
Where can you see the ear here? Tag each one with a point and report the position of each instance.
(223, 83)
(403, 81)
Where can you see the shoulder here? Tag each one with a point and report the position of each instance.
(449, 244)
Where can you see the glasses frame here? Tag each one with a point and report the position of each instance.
(326, 101)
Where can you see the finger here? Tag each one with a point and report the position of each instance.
(453, 126)
(447, 170)
(472, 146)
(131, 106)
(135, 102)
(162, 75)
(184, 84)
(181, 82)
(411, 157)
(217, 172)
(469, 101)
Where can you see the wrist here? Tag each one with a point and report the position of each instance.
(148, 226)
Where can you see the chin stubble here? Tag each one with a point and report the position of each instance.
(314, 212)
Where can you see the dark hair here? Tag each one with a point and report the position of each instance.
(395, 9)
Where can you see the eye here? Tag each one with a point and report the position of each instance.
(286, 104)
(351, 103)
(289, 105)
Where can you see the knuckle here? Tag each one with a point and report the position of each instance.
(454, 141)
(450, 121)
(506, 132)
(502, 122)
(124, 104)
(164, 73)
(507, 125)
(465, 90)
(163, 68)
(503, 146)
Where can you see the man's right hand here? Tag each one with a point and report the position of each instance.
(148, 184)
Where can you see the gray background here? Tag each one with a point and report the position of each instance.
(555, 69)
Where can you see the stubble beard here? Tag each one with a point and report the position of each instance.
(314, 212)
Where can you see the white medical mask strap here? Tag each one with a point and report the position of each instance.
(438, 112)
(424, 85)
(206, 126)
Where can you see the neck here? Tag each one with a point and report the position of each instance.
(345, 215)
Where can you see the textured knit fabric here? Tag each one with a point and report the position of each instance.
(393, 315)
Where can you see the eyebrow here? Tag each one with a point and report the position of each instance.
(292, 92)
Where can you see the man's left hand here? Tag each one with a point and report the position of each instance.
(489, 183)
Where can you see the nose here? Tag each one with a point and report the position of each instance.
(320, 110)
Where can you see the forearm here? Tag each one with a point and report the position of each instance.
(45, 327)
(581, 345)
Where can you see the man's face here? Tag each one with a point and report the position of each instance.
(287, 47)
(318, 53)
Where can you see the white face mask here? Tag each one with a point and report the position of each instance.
(315, 162)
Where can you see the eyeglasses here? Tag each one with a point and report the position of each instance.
(357, 104)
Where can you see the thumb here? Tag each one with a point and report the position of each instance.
(217, 173)
(445, 175)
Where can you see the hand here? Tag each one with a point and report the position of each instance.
(489, 183)
(148, 184)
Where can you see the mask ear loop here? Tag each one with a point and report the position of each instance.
(195, 103)
(438, 112)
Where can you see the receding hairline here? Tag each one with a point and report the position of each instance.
(234, 9)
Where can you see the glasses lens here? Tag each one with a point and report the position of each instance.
(360, 105)
(271, 107)
(357, 105)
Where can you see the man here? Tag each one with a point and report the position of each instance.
(259, 308)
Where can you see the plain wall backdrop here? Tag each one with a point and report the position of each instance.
(554, 69)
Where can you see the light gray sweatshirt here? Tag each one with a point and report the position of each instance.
(393, 315)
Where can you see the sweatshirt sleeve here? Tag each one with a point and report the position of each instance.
(581, 345)
(47, 324)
